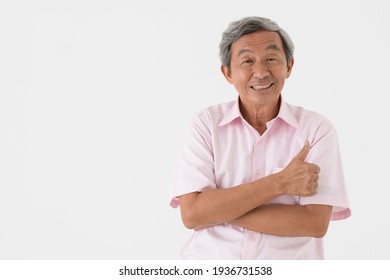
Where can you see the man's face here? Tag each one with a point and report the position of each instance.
(258, 68)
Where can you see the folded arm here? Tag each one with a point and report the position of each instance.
(216, 206)
(245, 205)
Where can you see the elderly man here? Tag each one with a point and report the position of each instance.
(258, 178)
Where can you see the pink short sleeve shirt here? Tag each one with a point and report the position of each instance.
(222, 150)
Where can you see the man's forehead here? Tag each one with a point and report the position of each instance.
(267, 40)
(269, 47)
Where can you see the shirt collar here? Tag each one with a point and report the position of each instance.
(231, 114)
(285, 114)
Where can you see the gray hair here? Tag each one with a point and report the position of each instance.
(248, 25)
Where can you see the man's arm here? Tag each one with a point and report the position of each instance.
(216, 206)
(288, 220)
(202, 209)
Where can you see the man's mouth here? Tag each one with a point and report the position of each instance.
(258, 87)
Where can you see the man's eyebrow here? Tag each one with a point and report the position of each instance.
(244, 51)
(273, 47)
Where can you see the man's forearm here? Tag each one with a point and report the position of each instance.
(287, 220)
(223, 205)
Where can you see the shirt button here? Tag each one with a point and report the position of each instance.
(258, 172)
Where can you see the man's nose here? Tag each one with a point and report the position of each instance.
(261, 71)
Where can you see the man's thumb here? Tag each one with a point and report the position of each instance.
(304, 152)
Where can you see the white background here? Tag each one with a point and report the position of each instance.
(95, 96)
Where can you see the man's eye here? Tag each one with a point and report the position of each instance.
(271, 59)
(247, 61)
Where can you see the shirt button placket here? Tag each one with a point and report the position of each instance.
(250, 245)
(257, 161)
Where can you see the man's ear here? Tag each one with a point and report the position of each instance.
(227, 73)
(290, 67)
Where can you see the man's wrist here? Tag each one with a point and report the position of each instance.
(275, 181)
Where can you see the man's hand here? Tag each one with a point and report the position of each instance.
(299, 177)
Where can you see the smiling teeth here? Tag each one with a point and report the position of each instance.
(261, 87)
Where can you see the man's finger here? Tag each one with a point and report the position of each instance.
(304, 152)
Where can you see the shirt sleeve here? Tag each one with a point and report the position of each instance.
(194, 167)
(325, 153)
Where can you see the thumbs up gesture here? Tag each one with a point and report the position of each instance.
(299, 177)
